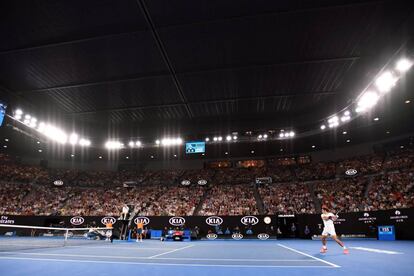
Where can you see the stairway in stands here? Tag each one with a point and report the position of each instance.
(259, 201)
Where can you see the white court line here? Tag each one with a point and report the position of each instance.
(377, 250)
(83, 246)
(307, 255)
(143, 258)
(168, 252)
(164, 264)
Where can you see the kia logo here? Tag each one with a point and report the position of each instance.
(263, 236)
(107, 220)
(77, 220)
(58, 182)
(143, 220)
(177, 221)
(214, 221)
(237, 236)
(366, 214)
(202, 182)
(211, 236)
(351, 172)
(397, 212)
(185, 182)
(249, 220)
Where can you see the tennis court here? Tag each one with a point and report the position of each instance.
(293, 257)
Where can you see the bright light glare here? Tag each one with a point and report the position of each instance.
(385, 82)
(73, 139)
(228, 138)
(84, 142)
(323, 127)
(264, 136)
(281, 135)
(234, 137)
(157, 142)
(291, 134)
(207, 139)
(347, 113)
(18, 112)
(131, 144)
(138, 143)
(171, 141)
(111, 145)
(367, 101)
(55, 134)
(215, 139)
(41, 127)
(403, 65)
(220, 138)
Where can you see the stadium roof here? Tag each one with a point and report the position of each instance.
(146, 68)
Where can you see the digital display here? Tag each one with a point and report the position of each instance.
(2, 112)
(386, 230)
(195, 147)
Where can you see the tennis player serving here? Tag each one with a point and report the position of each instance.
(328, 219)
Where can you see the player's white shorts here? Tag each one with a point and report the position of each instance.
(329, 231)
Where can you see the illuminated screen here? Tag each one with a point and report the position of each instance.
(2, 112)
(195, 147)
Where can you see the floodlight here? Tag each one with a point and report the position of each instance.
(385, 82)
(138, 143)
(84, 142)
(207, 139)
(234, 137)
(220, 138)
(403, 65)
(228, 138)
(367, 101)
(73, 139)
(323, 127)
(131, 144)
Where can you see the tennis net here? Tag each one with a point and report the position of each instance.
(24, 237)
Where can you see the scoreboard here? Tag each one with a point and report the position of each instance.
(2, 112)
(195, 147)
(386, 232)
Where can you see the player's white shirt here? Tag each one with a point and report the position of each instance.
(125, 209)
(329, 227)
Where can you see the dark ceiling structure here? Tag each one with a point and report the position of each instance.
(145, 68)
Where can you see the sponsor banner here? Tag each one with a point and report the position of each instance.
(211, 236)
(249, 220)
(237, 236)
(177, 221)
(77, 220)
(143, 220)
(367, 218)
(263, 236)
(214, 221)
(107, 220)
(398, 216)
(6, 220)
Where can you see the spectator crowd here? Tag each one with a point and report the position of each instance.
(381, 182)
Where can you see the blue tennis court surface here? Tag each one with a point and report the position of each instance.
(286, 257)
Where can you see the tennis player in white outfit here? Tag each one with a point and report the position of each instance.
(328, 219)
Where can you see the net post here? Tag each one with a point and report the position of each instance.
(66, 236)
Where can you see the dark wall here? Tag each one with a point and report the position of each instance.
(360, 223)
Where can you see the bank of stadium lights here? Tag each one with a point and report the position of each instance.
(168, 142)
(217, 138)
(230, 138)
(136, 144)
(287, 134)
(113, 145)
(52, 132)
(261, 137)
